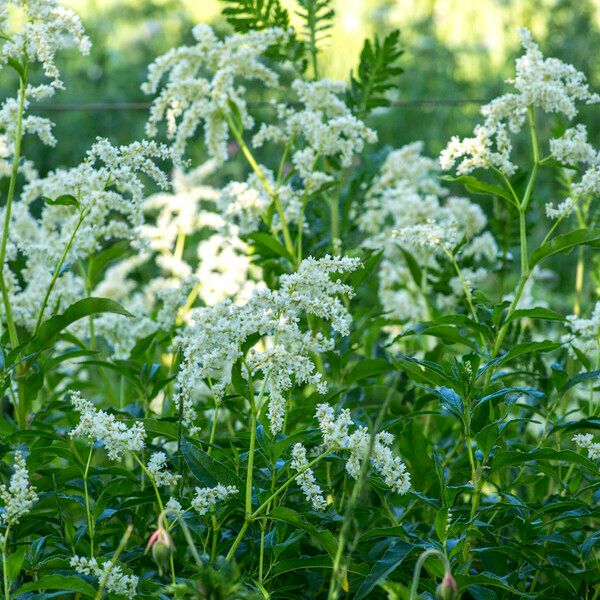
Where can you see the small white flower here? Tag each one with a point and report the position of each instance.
(116, 581)
(206, 498)
(586, 441)
(19, 496)
(157, 467)
(306, 480)
(335, 431)
(118, 437)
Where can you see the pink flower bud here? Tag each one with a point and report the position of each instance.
(162, 546)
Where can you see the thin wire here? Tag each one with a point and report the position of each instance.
(116, 106)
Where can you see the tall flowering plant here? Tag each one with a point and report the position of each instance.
(342, 374)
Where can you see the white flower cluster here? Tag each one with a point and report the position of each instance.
(115, 580)
(157, 467)
(586, 441)
(206, 497)
(202, 85)
(324, 126)
(109, 195)
(545, 83)
(46, 27)
(306, 479)
(245, 204)
(584, 334)
(19, 496)
(336, 435)
(213, 341)
(118, 437)
(406, 209)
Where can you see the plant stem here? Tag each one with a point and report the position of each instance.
(87, 501)
(266, 503)
(12, 330)
(56, 273)
(4, 565)
(338, 571)
(160, 505)
(114, 560)
(289, 246)
(417, 573)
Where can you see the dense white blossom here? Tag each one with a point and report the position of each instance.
(306, 480)
(45, 28)
(112, 575)
(323, 126)
(586, 441)
(573, 147)
(584, 334)
(336, 436)
(203, 83)
(158, 469)
(19, 496)
(213, 341)
(99, 426)
(544, 83)
(205, 499)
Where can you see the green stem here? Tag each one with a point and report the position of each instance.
(338, 572)
(160, 505)
(56, 273)
(12, 330)
(87, 502)
(114, 560)
(417, 573)
(4, 564)
(463, 283)
(289, 246)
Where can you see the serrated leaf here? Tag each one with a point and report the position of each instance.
(376, 74)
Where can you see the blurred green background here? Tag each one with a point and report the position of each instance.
(455, 51)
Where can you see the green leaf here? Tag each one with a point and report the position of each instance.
(247, 15)
(368, 368)
(209, 470)
(65, 583)
(389, 562)
(50, 329)
(317, 16)
(14, 562)
(564, 243)
(17, 66)
(587, 376)
(64, 200)
(511, 458)
(476, 186)
(527, 348)
(323, 536)
(376, 74)
(539, 312)
(269, 246)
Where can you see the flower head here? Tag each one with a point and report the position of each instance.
(118, 437)
(20, 495)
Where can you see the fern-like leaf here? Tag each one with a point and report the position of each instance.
(318, 17)
(247, 15)
(376, 74)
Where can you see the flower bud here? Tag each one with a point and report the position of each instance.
(162, 547)
(447, 590)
